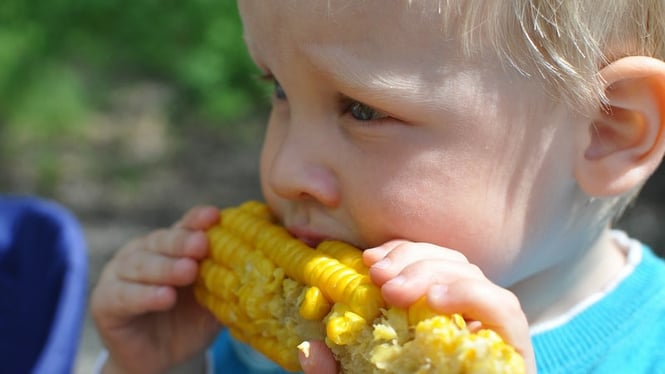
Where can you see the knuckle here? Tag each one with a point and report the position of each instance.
(476, 270)
(154, 237)
(399, 248)
(179, 240)
(136, 268)
(511, 303)
(460, 257)
(120, 257)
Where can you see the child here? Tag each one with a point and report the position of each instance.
(480, 151)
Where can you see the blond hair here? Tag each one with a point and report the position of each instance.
(562, 42)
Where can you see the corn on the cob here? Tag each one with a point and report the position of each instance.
(273, 292)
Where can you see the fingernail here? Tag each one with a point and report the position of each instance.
(162, 292)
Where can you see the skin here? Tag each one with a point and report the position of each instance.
(466, 183)
(143, 303)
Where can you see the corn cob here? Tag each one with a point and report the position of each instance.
(274, 292)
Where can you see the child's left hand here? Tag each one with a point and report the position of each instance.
(406, 271)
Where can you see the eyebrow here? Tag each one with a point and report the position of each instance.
(354, 74)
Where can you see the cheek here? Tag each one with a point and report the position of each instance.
(451, 208)
(426, 205)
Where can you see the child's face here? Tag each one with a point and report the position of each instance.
(380, 130)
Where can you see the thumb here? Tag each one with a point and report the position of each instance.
(316, 358)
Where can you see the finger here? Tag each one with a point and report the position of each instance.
(153, 268)
(401, 254)
(415, 279)
(199, 218)
(125, 300)
(316, 358)
(177, 242)
(373, 255)
(495, 307)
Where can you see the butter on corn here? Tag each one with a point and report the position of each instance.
(274, 292)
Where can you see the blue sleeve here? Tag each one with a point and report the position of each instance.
(225, 361)
(231, 356)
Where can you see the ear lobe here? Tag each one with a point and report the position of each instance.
(627, 136)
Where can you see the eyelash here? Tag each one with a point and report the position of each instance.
(278, 91)
(361, 112)
(347, 104)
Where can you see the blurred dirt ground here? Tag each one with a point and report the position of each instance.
(132, 171)
(213, 170)
(129, 172)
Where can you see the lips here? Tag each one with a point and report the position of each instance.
(307, 236)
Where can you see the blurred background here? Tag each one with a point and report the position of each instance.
(130, 112)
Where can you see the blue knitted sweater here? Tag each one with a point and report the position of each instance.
(622, 332)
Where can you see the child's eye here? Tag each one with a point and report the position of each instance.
(279, 91)
(362, 112)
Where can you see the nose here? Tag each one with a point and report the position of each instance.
(300, 165)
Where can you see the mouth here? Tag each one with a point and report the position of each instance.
(309, 237)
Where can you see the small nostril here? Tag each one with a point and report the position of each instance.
(304, 196)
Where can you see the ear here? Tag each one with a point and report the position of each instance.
(627, 136)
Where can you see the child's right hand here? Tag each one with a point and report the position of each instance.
(143, 304)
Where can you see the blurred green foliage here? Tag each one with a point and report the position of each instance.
(60, 58)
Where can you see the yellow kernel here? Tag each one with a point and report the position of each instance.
(314, 305)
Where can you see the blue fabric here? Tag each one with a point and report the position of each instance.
(231, 356)
(43, 281)
(622, 333)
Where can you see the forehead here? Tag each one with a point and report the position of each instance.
(319, 17)
(376, 28)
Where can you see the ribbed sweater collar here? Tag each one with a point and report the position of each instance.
(588, 335)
